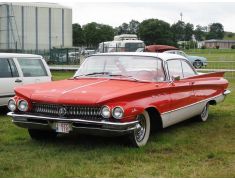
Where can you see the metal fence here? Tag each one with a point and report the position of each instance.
(57, 56)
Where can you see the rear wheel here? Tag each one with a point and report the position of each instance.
(139, 137)
(41, 134)
(197, 64)
(204, 114)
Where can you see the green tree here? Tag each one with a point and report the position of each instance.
(188, 32)
(154, 31)
(78, 36)
(178, 31)
(123, 29)
(216, 31)
(200, 33)
(95, 33)
(133, 27)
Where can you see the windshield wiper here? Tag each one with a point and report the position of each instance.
(128, 77)
(94, 73)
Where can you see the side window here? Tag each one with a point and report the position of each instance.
(13, 68)
(175, 68)
(32, 67)
(8, 68)
(187, 70)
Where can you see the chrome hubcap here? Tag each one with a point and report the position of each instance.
(140, 133)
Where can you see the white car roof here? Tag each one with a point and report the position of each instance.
(18, 55)
(163, 56)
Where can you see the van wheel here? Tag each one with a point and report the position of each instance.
(37, 134)
(204, 114)
(139, 137)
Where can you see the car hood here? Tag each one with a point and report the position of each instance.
(81, 91)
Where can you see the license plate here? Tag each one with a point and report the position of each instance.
(63, 127)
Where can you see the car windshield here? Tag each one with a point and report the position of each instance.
(139, 68)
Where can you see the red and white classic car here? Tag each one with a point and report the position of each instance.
(119, 94)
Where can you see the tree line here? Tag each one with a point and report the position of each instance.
(151, 31)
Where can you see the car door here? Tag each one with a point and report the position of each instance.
(181, 93)
(34, 70)
(9, 79)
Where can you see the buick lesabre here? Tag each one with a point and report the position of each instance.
(119, 94)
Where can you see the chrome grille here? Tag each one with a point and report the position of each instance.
(82, 112)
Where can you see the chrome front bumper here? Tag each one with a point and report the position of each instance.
(82, 126)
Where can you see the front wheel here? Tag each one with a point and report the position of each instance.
(42, 134)
(139, 137)
(197, 64)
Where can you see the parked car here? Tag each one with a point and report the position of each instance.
(72, 57)
(20, 69)
(119, 94)
(88, 52)
(197, 61)
(159, 48)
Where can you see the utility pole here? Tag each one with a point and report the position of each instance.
(181, 16)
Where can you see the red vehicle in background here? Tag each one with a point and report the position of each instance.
(159, 48)
(119, 94)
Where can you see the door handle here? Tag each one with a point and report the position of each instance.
(192, 83)
(18, 81)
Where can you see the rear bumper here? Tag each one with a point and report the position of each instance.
(226, 92)
(82, 126)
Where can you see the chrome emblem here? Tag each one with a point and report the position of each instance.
(62, 111)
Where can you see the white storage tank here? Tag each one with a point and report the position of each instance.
(35, 26)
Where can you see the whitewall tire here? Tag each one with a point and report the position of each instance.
(205, 113)
(140, 136)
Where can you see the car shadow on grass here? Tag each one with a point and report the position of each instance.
(3, 111)
(91, 141)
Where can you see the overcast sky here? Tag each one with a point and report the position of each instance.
(115, 13)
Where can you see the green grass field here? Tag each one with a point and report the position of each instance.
(188, 149)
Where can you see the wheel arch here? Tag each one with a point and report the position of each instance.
(155, 118)
(212, 102)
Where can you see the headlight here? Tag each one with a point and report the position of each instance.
(23, 105)
(12, 105)
(118, 112)
(105, 112)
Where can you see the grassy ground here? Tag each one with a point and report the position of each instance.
(188, 149)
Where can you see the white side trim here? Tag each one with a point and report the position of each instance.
(180, 114)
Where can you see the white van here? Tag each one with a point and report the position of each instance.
(20, 69)
(121, 43)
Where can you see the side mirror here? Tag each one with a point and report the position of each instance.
(175, 78)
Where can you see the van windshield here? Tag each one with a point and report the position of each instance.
(132, 47)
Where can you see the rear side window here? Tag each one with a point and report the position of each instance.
(175, 68)
(32, 67)
(8, 68)
(187, 70)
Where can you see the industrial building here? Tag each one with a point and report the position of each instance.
(34, 26)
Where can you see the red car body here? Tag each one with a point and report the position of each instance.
(167, 102)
